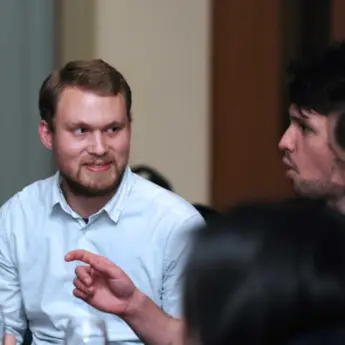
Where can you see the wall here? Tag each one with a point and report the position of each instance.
(27, 56)
(247, 107)
(162, 48)
(337, 20)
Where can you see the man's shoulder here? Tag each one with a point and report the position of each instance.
(161, 199)
(30, 197)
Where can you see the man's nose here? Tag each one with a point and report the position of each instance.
(98, 145)
(287, 141)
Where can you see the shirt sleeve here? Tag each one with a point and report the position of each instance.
(176, 254)
(10, 293)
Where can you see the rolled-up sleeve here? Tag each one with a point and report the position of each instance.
(176, 254)
(10, 293)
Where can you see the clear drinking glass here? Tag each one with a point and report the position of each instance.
(86, 331)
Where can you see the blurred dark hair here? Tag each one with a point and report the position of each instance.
(266, 274)
(152, 175)
(207, 212)
(318, 83)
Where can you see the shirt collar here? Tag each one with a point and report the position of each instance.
(113, 207)
(116, 204)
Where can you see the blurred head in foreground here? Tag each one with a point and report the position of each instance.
(268, 274)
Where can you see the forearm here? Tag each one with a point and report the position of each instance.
(15, 325)
(9, 339)
(151, 324)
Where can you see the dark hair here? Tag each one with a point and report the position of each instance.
(266, 273)
(94, 75)
(318, 83)
(207, 212)
(152, 175)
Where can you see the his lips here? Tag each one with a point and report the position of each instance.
(98, 167)
(288, 164)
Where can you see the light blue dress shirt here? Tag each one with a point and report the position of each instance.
(144, 229)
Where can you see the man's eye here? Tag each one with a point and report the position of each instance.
(304, 127)
(79, 131)
(113, 129)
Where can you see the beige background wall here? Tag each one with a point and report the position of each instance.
(162, 48)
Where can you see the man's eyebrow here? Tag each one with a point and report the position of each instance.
(300, 115)
(303, 114)
(81, 124)
(78, 124)
(304, 120)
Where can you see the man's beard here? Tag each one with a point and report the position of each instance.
(81, 189)
(318, 189)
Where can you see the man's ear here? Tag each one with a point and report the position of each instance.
(45, 134)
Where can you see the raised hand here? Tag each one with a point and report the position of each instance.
(102, 284)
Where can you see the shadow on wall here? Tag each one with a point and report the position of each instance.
(154, 176)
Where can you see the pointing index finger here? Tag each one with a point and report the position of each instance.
(98, 262)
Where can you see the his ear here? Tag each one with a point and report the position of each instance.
(45, 134)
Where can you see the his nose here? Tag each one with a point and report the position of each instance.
(98, 145)
(287, 141)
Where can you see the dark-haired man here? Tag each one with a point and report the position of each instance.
(311, 150)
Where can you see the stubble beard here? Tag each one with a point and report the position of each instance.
(94, 184)
(318, 189)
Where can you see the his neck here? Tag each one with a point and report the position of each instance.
(85, 206)
(338, 204)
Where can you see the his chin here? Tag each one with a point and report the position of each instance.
(97, 188)
(87, 188)
(99, 192)
(312, 190)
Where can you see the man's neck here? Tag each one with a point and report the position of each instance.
(85, 206)
(338, 204)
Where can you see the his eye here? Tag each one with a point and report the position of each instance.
(304, 127)
(113, 129)
(79, 131)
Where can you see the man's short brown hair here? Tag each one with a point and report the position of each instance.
(94, 75)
